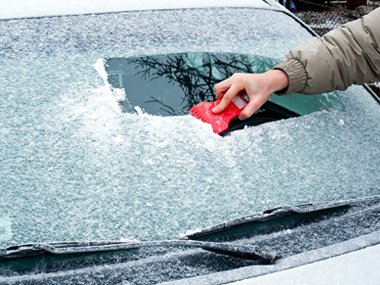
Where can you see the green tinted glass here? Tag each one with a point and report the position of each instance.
(171, 84)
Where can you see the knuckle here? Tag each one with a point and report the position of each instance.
(226, 100)
(236, 76)
(239, 80)
(228, 96)
(221, 105)
(255, 107)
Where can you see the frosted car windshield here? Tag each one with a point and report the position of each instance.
(74, 166)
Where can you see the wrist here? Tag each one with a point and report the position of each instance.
(277, 80)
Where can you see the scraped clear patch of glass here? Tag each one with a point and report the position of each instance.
(170, 84)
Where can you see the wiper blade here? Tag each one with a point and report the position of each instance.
(270, 221)
(227, 248)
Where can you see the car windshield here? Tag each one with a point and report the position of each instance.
(77, 164)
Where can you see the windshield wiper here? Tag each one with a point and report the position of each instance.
(272, 220)
(227, 248)
(282, 217)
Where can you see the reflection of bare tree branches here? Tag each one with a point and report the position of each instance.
(166, 108)
(196, 81)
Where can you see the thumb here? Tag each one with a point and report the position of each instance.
(254, 104)
(227, 98)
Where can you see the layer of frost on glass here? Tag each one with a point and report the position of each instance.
(74, 167)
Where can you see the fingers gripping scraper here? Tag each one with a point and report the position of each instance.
(220, 121)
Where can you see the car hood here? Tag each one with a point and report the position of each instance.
(42, 8)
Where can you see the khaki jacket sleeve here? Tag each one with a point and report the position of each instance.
(345, 56)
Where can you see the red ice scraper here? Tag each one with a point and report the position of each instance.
(220, 121)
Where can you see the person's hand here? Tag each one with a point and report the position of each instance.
(258, 88)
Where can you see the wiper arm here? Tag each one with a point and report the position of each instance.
(227, 248)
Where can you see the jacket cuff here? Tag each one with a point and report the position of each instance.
(296, 75)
